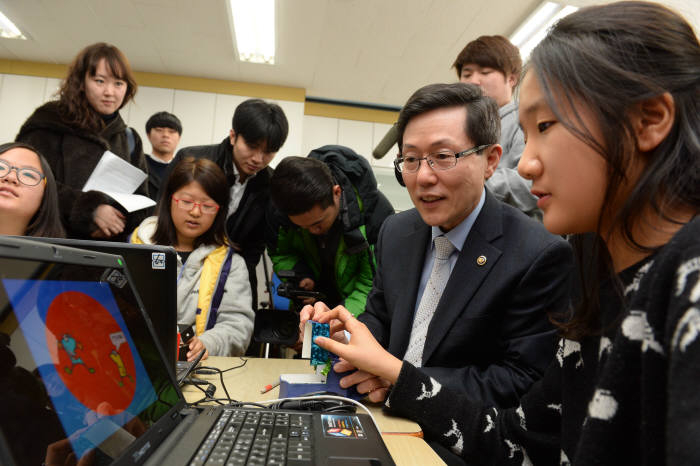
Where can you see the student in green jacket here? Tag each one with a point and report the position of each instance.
(323, 227)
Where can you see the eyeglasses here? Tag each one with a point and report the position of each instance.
(443, 160)
(27, 176)
(184, 204)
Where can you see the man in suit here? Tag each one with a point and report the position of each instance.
(489, 335)
(259, 129)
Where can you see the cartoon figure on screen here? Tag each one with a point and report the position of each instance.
(116, 357)
(70, 345)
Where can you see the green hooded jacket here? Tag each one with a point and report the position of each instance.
(362, 211)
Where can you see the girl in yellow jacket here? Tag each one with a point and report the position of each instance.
(213, 291)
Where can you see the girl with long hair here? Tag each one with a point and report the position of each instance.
(610, 107)
(74, 132)
(213, 292)
(28, 197)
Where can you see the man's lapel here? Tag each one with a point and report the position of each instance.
(477, 258)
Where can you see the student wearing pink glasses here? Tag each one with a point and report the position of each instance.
(213, 292)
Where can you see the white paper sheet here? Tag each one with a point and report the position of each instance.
(118, 179)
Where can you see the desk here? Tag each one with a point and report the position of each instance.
(244, 384)
(401, 436)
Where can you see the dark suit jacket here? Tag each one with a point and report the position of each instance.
(490, 337)
(246, 227)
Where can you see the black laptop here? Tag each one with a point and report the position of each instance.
(82, 377)
(153, 269)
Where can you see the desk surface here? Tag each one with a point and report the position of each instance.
(244, 384)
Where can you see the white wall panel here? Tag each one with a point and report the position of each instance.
(318, 131)
(19, 97)
(294, 112)
(196, 112)
(148, 101)
(356, 135)
(52, 87)
(223, 115)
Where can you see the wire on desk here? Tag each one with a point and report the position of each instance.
(206, 370)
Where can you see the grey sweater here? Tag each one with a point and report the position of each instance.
(506, 184)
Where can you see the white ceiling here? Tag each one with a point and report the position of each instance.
(373, 51)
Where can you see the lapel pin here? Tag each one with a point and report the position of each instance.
(481, 260)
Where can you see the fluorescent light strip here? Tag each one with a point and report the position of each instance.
(536, 26)
(8, 29)
(254, 26)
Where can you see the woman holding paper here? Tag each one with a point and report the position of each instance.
(76, 131)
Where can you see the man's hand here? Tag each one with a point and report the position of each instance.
(363, 351)
(196, 347)
(109, 221)
(307, 313)
(308, 285)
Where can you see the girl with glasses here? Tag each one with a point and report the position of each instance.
(610, 111)
(75, 131)
(28, 198)
(213, 291)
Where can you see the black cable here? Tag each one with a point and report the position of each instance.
(207, 370)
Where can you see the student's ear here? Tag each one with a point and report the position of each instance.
(336, 193)
(652, 120)
(512, 80)
(232, 136)
(493, 156)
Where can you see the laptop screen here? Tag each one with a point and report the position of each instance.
(153, 270)
(80, 373)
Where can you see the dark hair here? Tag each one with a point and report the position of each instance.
(73, 103)
(261, 124)
(609, 58)
(300, 183)
(483, 125)
(495, 52)
(164, 120)
(213, 181)
(46, 221)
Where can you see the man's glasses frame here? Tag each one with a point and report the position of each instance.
(443, 160)
(186, 204)
(25, 175)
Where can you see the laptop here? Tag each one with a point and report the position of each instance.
(83, 378)
(154, 272)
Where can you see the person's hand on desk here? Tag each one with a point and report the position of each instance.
(196, 346)
(377, 367)
(376, 388)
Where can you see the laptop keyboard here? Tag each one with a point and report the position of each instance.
(257, 437)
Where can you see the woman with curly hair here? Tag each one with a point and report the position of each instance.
(74, 132)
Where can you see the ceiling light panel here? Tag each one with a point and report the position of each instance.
(254, 28)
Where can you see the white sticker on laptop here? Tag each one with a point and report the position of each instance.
(158, 260)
